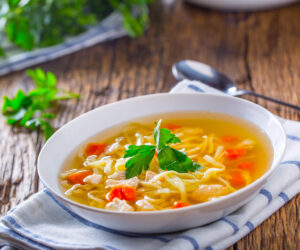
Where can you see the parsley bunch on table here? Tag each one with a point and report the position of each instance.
(31, 110)
(40, 23)
(168, 157)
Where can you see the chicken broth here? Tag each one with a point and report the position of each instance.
(197, 158)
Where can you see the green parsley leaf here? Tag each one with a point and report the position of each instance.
(172, 159)
(163, 136)
(15, 117)
(168, 157)
(46, 128)
(42, 79)
(141, 157)
(30, 110)
(21, 100)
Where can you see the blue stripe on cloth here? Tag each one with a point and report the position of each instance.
(194, 87)
(190, 239)
(209, 248)
(250, 225)
(293, 137)
(12, 221)
(235, 227)
(99, 227)
(21, 238)
(297, 163)
(267, 194)
(110, 247)
(284, 196)
(11, 210)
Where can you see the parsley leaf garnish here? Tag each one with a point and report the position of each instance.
(30, 110)
(141, 158)
(168, 157)
(172, 159)
(163, 136)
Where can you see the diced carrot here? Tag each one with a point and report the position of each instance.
(233, 153)
(238, 180)
(95, 148)
(229, 139)
(179, 204)
(123, 193)
(116, 192)
(246, 166)
(155, 153)
(172, 126)
(78, 177)
(129, 193)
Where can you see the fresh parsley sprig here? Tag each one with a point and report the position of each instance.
(30, 110)
(168, 157)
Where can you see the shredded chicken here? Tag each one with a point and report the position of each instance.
(133, 182)
(119, 205)
(108, 167)
(115, 146)
(144, 205)
(119, 175)
(93, 179)
(205, 192)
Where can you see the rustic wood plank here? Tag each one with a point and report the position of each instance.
(258, 50)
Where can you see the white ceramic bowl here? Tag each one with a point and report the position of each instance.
(66, 139)
(242, 5)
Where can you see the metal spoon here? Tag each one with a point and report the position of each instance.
(193, 70)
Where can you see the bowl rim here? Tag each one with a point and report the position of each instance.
(213, 203)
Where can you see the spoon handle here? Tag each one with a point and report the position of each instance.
(248, 92)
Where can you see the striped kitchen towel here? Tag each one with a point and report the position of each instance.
(16, 59)
(42, 222)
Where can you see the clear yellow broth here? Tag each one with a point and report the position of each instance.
(210, 139)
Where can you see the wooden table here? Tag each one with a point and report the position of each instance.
(260, 51)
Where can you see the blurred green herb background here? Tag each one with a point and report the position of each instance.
(29, 24)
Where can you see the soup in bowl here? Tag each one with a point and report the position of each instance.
(221, 154)
(140, 165)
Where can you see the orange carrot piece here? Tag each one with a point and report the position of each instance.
(172, 126)
(95, 148)
(234, 153)
(238, 180)
(123, 193)
(229, 139)
(179, 204)
(246, 166)
(78, 177)
(116, 192)
(129, 193)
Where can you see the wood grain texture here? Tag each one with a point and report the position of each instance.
(260, 51)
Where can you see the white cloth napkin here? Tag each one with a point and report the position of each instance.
(41, 222)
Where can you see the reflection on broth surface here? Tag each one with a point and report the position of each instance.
(231, 154)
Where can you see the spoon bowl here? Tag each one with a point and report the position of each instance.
(192, 70)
